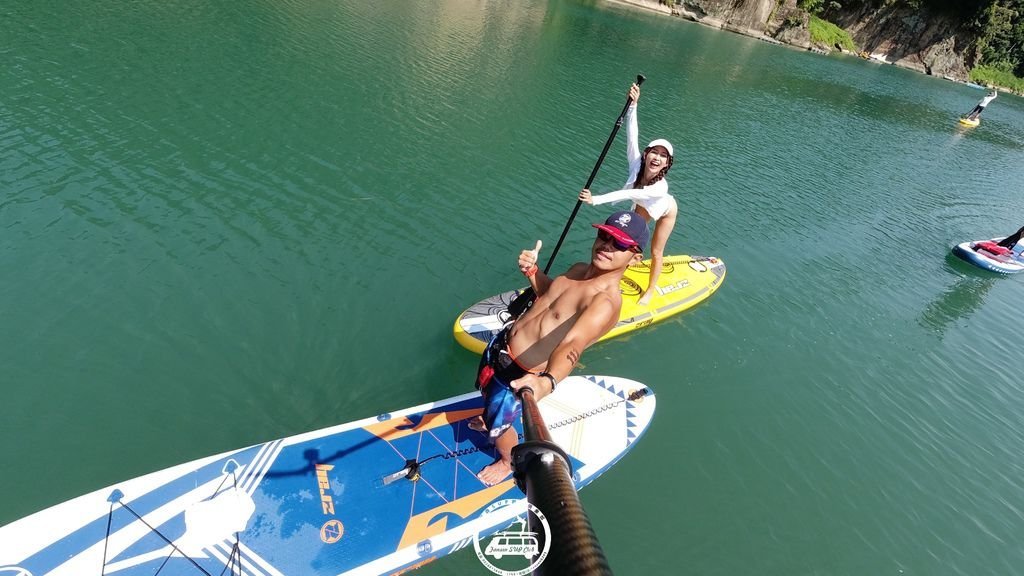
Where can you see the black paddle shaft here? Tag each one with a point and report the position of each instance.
(543, 471)
(593, 173)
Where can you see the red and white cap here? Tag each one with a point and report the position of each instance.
(629, 228)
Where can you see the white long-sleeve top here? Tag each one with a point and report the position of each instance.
(984, 101)
(654, 198)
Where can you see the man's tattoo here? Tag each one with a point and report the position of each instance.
(573, 356)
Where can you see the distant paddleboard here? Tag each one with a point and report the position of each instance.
(984, 254)
(969, 122)
(685, 281)
(376, 496)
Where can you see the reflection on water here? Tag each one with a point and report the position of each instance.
(963, 298)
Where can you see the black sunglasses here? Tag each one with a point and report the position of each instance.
(606, 237)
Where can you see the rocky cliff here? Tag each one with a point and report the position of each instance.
(930, 44)
(927, 43)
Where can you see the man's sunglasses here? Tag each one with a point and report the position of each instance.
(606, 237)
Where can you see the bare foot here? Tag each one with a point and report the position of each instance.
(477, 423)
(495, 472)
(645, 299)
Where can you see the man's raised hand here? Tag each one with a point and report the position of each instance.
(528, 260)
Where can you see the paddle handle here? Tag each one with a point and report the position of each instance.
(534, 428)
(593, 173)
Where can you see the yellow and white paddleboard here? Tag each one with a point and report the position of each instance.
(685, 281)
(968, 122)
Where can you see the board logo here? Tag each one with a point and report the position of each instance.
(522, 544)
(332, 531)
(13, 571)
(672, 287)
(324, 483)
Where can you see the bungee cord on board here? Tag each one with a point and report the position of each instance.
(234, 560)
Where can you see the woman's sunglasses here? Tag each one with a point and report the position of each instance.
(606, 237)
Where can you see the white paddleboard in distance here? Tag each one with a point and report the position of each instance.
(1012, 262)
(333, 501)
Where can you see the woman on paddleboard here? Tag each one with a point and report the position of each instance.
(647, 188)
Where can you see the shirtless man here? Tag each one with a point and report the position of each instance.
(572, 311)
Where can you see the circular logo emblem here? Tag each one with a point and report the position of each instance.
(13, 571)
(523, 543)
(332, 531)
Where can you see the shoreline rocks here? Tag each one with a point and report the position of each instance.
(888, 35)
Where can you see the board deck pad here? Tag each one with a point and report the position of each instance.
(685, 281)
(318, 503)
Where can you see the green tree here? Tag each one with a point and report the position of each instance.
(811, 6)
(1001, 36)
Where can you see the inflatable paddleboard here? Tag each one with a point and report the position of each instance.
(969, 122)
(685, 281)
(973, 252)
(350, 499)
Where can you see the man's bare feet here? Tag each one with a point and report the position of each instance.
(645, 299)
(477, 423)
(502, 466)
(495, 472)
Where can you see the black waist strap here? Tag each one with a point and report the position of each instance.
(499, 358)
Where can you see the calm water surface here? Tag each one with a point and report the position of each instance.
(223, 223)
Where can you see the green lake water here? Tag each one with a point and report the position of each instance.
(222, 223)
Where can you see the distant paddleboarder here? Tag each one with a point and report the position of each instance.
(647, 188)
(1002, 248)
(974, 114)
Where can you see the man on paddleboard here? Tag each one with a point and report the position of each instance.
(980, 107)
(541, 347)
(1002, 248)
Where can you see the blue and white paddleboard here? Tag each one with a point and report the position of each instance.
(1009, 263)
(334, 501)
